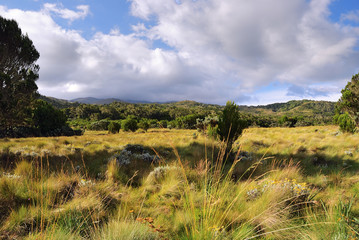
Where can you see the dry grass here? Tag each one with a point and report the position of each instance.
(296, 184)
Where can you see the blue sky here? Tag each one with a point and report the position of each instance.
(252, 52)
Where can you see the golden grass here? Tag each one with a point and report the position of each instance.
(185, 196)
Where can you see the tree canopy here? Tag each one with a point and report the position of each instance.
(18, 73)
(349, 101)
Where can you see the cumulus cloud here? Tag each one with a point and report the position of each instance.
(219, 50)
(58, 9)
(257, 41)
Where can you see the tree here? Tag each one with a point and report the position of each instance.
(129, 124)
(114, 127)
(144, 124)
(349, 101)
(230, 124)
(18, 73)
(345, 122)
(47, 118)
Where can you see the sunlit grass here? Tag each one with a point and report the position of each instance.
(297, 184)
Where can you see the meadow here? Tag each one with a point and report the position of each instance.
(286, 183)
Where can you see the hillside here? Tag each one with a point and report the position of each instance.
(293, 108)
(306, 112)
(58, 103)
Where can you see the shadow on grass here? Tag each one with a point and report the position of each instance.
(311, 163)
(94, 164)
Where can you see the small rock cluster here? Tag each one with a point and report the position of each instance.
(134, 152)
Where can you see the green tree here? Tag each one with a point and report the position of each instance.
(129, 124)
(114, 127)
(144, 124)
(345, 122)
(18, 73)
(48, 118)
(349, 101)
(230, 124)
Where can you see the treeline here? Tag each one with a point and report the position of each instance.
(191, 115)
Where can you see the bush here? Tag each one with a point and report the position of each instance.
(345, 123)
(348, 102)
(47, 118)
(114, 127)
(129, 124)
(144, 124)
(172, 124)
(163, 123)
(153, 123)
(230, 124)
(101, 125)
(212, 131)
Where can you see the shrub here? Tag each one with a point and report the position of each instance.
(346, 123)
(114, 127)
(230, 124)
(172, 124)
(47, 118)
(163, 123)
(129, 124)
(101, 125)
(212, 132)
(144, 124)
(153, 123)
(349, 99)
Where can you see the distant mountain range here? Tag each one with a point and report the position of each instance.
(294, 107)
(101, 101)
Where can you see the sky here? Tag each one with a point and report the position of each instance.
(251, 52)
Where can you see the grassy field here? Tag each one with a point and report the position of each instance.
(287, 183)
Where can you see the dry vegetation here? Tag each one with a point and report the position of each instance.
(297, 183)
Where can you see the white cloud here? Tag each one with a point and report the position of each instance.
(350, 16)
(221, 50)
(58, 9)
(257, 41)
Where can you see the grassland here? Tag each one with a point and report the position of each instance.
(298, 183)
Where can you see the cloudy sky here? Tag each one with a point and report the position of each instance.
(252, 52)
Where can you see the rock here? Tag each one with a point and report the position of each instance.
(349, 153)
(134, 152)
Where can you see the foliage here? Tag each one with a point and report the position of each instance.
(212, 131)
(163, 124)
(48, 118)
(129, 124)
(230, 124)
(18, 73)
(349, 101)
(345, 122)
(184, 115)
(285, 121)
(101, 125)
(114, 127)
(144, 124)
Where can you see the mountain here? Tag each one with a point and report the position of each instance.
(58, 103)
(101, 101)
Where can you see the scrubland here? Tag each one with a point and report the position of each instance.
(286, 183)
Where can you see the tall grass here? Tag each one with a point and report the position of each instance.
(197, 193)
